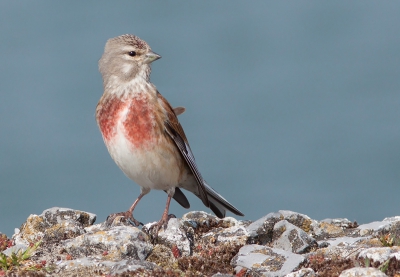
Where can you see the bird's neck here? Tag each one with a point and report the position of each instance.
(114, 86)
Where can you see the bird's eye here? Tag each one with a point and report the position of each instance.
(132, 53)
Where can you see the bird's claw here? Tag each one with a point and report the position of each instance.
(162, 224)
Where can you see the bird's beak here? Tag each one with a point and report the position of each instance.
(151, 57)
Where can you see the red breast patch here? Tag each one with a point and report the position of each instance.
(139, 122)
(108, 115)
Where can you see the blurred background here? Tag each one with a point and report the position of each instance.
(290, 105)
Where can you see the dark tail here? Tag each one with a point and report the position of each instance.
(218, 204)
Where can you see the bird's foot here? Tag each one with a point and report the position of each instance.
(156, 227)
(126, 215)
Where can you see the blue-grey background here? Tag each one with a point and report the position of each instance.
(290, 105)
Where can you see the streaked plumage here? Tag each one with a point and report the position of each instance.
(142, 132)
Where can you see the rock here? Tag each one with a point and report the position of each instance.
(288, 237)
(326, 230)
(175, 236)
(373, 228)
(236, 233)
(18, 248)
(266, 261)
(215, 231)
(302, 221)
(304, 272)
(162, 256)
(362, 271)
(89, 266)
(344, 247)
(117, 243)
(379, 255)
(284, 243)
(53, 225)
(261, 230)
(197, 219)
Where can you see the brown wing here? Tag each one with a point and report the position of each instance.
(175, 131)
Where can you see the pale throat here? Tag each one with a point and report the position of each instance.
(135, 87)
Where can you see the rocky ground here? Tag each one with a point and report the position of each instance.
(66, 242)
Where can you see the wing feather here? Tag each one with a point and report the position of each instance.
(175, 131)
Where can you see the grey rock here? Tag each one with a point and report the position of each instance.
(326, 229)
(175, 235)
(18, 248)
(288, 237)
(304, 272)
(379, 255)
(302, 221)
(196, 219)
(226, 230)
(342, 247)
(392, 219)
(119, 242)
(53, 225)
(339, 222)
(266, 261)
(73, 246)
(235, 234)
(89, 266)
(374, 227)
(362, 272)
(261, 230)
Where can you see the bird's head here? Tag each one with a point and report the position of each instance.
(126, 57)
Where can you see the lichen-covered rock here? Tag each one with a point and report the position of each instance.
(175, 236)
(163, 257)
(379, 255)
(326, 229)
(116, 243)
(261, 230)
(302, 221)
(236, 233)
(342, 248)
(304, 272)
(53, 225)
(362, 271)
(291, 238)
(94, 267)
(196, 219)
(201, 244)
(373, 228)
(266, 261)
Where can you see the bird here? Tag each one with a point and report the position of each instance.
(142, 132)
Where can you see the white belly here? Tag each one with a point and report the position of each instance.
(152, 168)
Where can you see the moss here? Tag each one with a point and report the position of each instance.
(209, 260)
(329, 267)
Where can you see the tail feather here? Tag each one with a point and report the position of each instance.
(181, 198)
(219, 204)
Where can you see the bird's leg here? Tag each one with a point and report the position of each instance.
(128, 214)
(163, 221)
